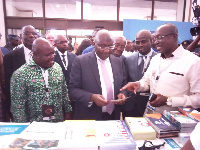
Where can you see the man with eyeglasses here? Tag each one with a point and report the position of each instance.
(173, 74)
(136, 66)
(95, 80)
(16, 58)
(120, 44)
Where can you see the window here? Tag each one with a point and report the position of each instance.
(100, 9)
(21, 8)
(70, 9)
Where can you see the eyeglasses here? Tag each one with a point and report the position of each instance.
(151, 147)
(160, 37)
(105, 47)
(62, 42)
(29, 33)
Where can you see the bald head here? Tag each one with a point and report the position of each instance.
(169, 27)
(143, 41)
(43, 53)
(61, 43)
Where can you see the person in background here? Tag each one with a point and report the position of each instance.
(12, 42)
(136, 66)
(84, 44)
(16, 58)
(95, 80)
(76, 45)
(173, 74)
(130, 48)
(194, 142)
(50, 37)
(3, 50)
(120, 44)
(2, 89)
(91, 47)
(186, 43)
(70, 46)
(38, 88)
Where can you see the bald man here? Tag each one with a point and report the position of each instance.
(62, 56)
(173, 74)
(38, 88)
(136, 65)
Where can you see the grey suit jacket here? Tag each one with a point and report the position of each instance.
(85, 81)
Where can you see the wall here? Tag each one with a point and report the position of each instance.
(132, 26)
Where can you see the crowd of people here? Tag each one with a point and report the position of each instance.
(104, 78)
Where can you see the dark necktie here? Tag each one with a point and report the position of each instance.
(141, 65)
(64, 60)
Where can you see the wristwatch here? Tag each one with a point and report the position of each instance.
(169, 101)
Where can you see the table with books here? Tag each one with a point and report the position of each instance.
(97, 135)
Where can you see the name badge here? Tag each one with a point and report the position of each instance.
(48, 112)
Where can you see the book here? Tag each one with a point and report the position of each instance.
(180, 119)
(140, 128)
(12, 128)
(190, 112)
(161, 124)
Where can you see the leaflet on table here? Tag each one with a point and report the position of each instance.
(7, 128)
(43, 131)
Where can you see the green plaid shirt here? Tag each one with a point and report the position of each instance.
(28, 93)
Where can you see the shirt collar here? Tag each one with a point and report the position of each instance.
(107, 59)
(62, 53)
(26, 50)
(177, 53)
(148, 55)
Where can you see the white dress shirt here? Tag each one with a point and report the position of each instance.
(27, 54)
(61, 57)
(194, 137)
(103, 86)
(178, 78)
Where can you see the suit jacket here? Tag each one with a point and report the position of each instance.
(12, 61)
(70, 57)
(133, 75)
(85, 81)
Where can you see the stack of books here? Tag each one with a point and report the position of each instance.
(185, 123)
(190, 112)
(140, 128)
(163, 127)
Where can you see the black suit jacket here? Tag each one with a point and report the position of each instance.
(70, 57)
(136, 104)
(12, 61)
(85, 81)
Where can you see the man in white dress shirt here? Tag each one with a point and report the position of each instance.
(173, 75)
(15, 59)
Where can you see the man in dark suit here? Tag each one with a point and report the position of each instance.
(63, 57)
(95, 80)
(136, 65)
(16, 58)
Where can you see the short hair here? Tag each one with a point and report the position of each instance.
(12, 36)
(22, 29)
(103, 31)
(120, 36)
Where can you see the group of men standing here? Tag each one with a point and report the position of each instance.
(96, 83)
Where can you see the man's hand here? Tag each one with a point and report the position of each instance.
(99, 100)
(159, 101)
(131, 86)
(121, 99)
